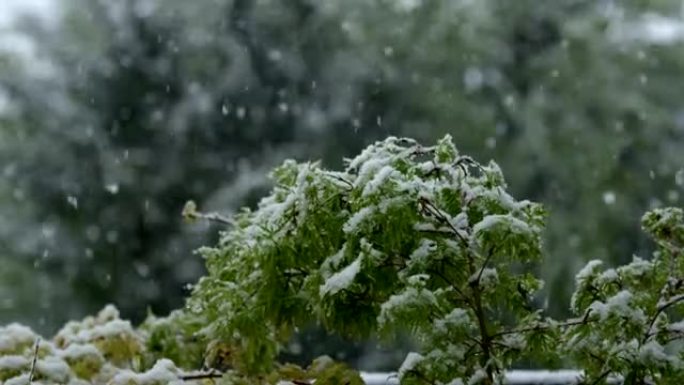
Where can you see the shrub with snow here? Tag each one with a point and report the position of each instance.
(405, 238)
(632, 315)
(98, 350)
(105, 350)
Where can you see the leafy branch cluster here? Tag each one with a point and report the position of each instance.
(636, 311)
(407, 237)
(426, 240)
(98, 350)
(107, 350)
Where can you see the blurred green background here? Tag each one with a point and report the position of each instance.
(113, 113)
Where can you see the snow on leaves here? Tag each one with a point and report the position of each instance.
(342, 279)
(633, 313)
(406, 237)
(98, 350)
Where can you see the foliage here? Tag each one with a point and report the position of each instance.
(107, 350)
(407, 237)
(96, 350)
(427, 240)
(633, 314)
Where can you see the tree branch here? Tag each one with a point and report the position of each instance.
(201, 376)
(543, 327)
(662, 306)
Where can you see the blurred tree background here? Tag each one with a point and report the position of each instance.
(118, 112)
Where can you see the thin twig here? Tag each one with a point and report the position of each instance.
(601, 377)
(430, 208)
(339, 178)
(661, 308)
(33, 363)
(216, 217)
(484, 264)
(298, 382)
(543, 327)
(190, 212)
(458, 291)
(201, 376)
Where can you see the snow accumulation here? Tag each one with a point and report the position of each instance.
(460, 221)
(412, 360)
(430, 227)
(333, 261)
(78, 350)
(521, 377)
(671, 300)
(515, 341)
(110, 329)
(456, 319)
(653, 352)
(163, 372)
(608, 276)
(488, 277)
(456, 381)
(410, 297)
(676, 327)
(271, 210)
(54, 368)
(587, 271)
(637, 268)
(423, 251)
(353, 223)
(385, 173)
(13, 362)
(14, 335)
(342, 279)
(514, 224)
(619, 305)
(371, 167)
(19, 380)
(498, 194)
(477, 378)
(515, 377)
